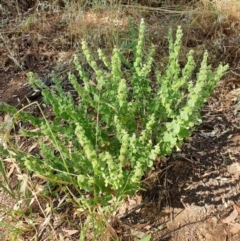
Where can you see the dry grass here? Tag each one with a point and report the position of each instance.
(226, 10)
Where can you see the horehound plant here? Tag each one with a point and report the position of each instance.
(122, 121)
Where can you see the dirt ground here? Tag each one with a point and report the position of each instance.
(193, 195)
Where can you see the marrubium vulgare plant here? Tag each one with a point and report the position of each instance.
(122, 121)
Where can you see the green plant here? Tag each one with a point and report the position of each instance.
(105, 141)
(147, 238)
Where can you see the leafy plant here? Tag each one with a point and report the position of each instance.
(103, 142)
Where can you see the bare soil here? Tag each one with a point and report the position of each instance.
(190, 195)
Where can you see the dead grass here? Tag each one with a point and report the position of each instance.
(225, 10)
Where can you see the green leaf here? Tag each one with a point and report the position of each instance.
(183, 133)
(146, 238)
(175, 127)
(184, 115)
(96, 97)
(168, 137)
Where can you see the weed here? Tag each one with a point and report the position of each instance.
(103, 142)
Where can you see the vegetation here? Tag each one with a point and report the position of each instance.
(99, 146)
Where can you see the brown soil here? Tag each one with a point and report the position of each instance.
(190, 195)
